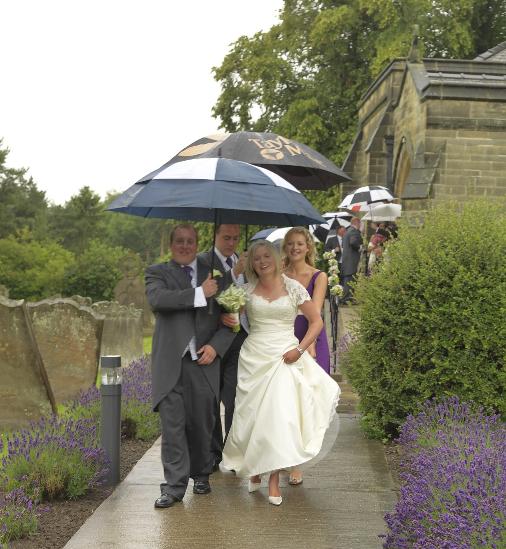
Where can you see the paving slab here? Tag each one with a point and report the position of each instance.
(340, 505)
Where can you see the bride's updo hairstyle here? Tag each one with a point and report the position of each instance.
(311, 253)
(250, 271)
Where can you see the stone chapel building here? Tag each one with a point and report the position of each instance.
(433, 130)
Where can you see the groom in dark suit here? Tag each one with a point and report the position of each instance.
(227, 261)
(187, 344)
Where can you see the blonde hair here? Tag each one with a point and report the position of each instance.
(311, 253)
(250, 271)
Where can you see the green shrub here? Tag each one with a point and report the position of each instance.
(433, 318)
(95, 272)
(30, 269)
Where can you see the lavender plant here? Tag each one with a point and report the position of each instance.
(135, 401)
(53, 458)
(18, 516)
(454, 480)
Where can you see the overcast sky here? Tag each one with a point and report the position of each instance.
(101, 92)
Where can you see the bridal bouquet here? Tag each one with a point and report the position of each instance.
(232, 299)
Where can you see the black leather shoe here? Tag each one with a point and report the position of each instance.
(166, 500)
(201, 487)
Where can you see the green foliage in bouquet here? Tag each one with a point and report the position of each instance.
(433, 318)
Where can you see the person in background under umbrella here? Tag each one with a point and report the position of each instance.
(352, 243)
(375, 248)
(227, 261)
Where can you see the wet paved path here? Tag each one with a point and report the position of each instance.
(340, 505)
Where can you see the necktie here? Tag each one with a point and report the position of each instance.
(188, 270)
(229, 261)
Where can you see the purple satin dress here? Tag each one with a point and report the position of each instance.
(300, 329)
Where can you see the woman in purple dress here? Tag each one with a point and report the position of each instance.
(299, 259)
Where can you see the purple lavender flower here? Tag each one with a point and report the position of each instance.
(454, 479)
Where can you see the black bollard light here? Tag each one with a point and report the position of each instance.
(110, 420)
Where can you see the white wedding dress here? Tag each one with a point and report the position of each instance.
(282, 411)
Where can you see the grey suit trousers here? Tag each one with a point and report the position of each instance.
(188, 415)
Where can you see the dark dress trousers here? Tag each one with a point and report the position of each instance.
(352, 240)
(228, 369)
(185, 394)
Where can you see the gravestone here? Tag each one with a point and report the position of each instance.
(130, 289)
(123, 330)
(69, 337)
(23, 396)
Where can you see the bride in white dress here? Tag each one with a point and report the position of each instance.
(284, 400)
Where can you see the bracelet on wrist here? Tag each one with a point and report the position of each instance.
(300, 349)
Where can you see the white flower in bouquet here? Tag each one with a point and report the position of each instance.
(333, 280)
(216, 273)
(332, 262)
(334, 269)
(329, 255)
(232, 299)
(337, 290)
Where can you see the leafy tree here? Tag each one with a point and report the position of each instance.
(22, 205)
(143, 236)
(77, 222)
(95, 272)
(304, 77)
(30, 269)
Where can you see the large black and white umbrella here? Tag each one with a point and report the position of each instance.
(359, 200)
(217, 190)
(299, 164)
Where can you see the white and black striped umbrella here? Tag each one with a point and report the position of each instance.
(359, 200)
(338, 219)
(219, 190)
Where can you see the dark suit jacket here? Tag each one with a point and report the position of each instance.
(352, 240)
(227, 275)
(171, 297)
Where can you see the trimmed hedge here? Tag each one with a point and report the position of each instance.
(433, 318)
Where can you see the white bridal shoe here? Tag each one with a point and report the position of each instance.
(275, 500)
(253, 486)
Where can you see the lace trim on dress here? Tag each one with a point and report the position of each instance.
(296, 291)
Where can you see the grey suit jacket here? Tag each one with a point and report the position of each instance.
(352, 241)
(227, 275)
(171, 297)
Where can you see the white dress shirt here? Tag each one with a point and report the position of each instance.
(198, 301)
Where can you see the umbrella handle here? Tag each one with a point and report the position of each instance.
(211, 300)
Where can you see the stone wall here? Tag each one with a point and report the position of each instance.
(123, 330)
(472, 136)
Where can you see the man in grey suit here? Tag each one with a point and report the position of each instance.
(231, 266)
(352, 242)
(187, 344)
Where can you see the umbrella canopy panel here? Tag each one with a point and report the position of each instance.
(360, 199)
(383, 212)
(217, 189)
(299, 164)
